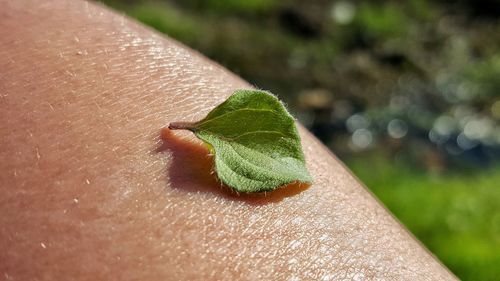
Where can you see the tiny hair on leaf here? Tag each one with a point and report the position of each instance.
(254, 140)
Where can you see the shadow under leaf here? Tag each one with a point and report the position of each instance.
(192, 170)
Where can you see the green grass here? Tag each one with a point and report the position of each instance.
(456, 215)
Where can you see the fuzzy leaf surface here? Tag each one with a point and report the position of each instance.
(255, 141)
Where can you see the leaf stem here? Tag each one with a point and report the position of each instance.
(181, 126)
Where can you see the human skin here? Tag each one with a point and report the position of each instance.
(92, 188)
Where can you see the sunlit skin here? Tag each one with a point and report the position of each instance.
(93, 188)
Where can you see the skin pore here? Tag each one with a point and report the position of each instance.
(92, 188)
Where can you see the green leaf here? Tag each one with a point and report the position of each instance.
(256, 144)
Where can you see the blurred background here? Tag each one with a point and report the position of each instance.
(407, 93)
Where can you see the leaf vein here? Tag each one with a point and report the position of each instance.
(204, 122)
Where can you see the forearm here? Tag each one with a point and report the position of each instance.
(88, 191)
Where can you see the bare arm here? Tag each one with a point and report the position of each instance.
(88, 191)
